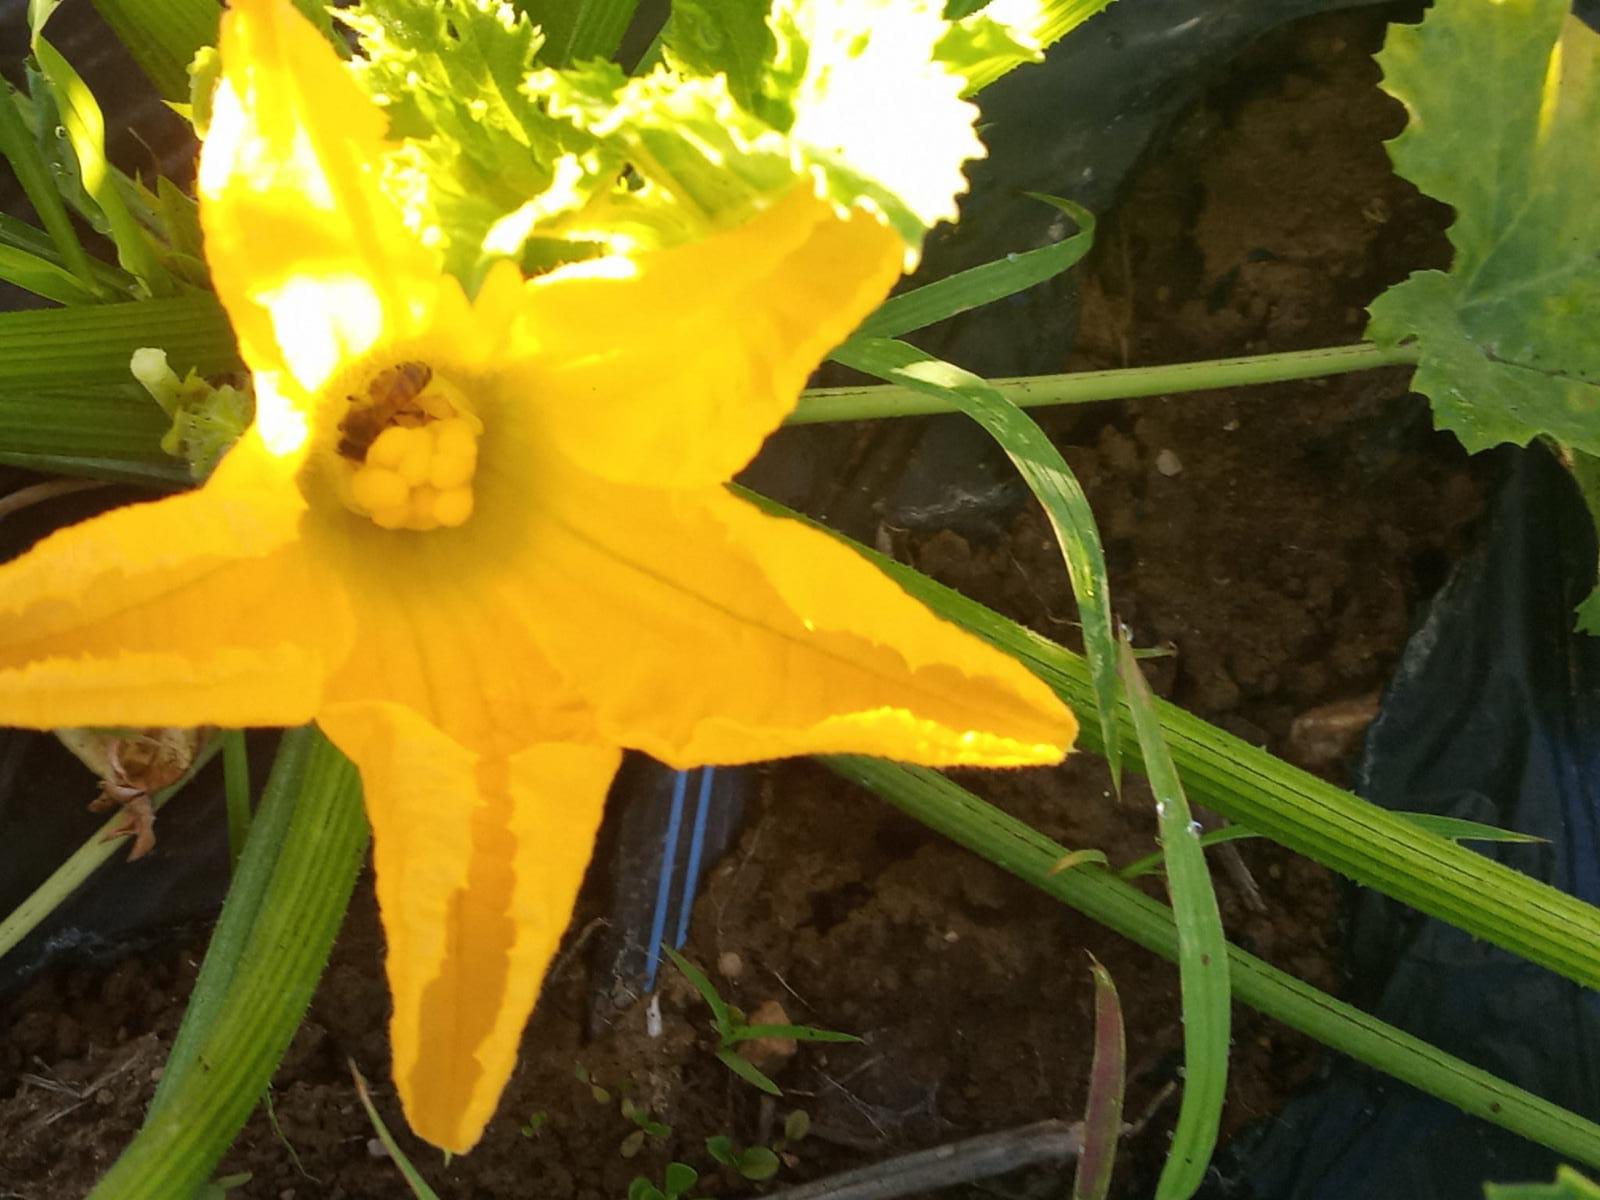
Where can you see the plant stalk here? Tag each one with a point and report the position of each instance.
(866, 403)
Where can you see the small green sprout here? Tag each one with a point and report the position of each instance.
(755, 1163)
(675, 1181)
(219, 1187)
(600, 1094)
(534, 1123)
(641, 1117)
(731, 1029)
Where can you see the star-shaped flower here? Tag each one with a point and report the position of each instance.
(486, 544)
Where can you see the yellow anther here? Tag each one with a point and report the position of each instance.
(391, 518)
(452, 508)
(417, 457)
(388, 447)
(421, 515)
(375, 488)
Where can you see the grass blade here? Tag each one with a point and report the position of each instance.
(33, 173)
(1202, 952)
(414, 1180)
(86, 131)
(1457, 829)
(1051, 481)
(951, 810)
(1102, 1112)
(42, 277)
(92, 346)
(279, 923)
(978, 286)
(708, 992)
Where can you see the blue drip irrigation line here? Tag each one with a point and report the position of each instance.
(697, 842)
(658, 922)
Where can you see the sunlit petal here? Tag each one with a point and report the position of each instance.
(313, 262)
(704, 631)
(670, 370)
(196, 609)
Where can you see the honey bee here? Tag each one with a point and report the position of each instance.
(391, 400)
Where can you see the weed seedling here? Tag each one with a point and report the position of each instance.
(534, 1123)
(675, 1181)
(731, 1029)
(755, 1163)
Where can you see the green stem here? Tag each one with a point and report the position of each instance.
(1085, 387)
(85, 860)
(272, 941)
(1016, 847)
(236, 789)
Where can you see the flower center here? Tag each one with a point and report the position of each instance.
(408, 449)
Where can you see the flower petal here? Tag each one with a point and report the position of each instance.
(478, 865)
(196, 609)
(311, 259)
(705, 631)
(438, 630)
(672, 368)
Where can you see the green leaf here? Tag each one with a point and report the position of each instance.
(1586, 470)
(1504, 107)
(721, 1148)
(578, 30)
(708, 992)
(42, 277)
(93, 346)
(86, 132)
(798, 1033)
(1102, 1110)
(1051, 481)
(414, 1180)
(1457, 829)
(679, 1178)
(986, 44)
(163, 36)
(858, 88)
(973, 288)
(758, 1163)
(1569, 1185)
(747, 1071)
(1202, 952)
(38, 13)
(33, 173)
(727, 37)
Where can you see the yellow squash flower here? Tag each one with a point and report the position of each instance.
(486, 545)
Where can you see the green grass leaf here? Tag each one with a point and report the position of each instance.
(33, 173)
(414, 1180)
(747, 1071)
(85, 127)
(1047, 475)
(1202, 952)
(1457, 829)
(42, 277)
(720, 1016)
(1568, 1185)
(1504, 117)
(982, 285)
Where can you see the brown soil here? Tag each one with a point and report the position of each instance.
(1276, 539)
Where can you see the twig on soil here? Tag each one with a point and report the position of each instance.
(945, 1166)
